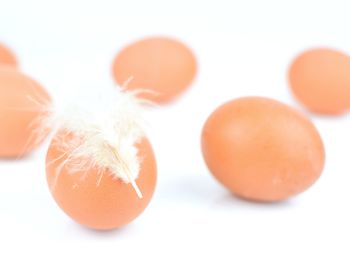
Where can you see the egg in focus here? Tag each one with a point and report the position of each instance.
(163, 66)
(100, 165)
(320, 80)
(95, 200)
(261, 149)
(7, 57)
(23, 104)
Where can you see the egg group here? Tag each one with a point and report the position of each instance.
(7, 57)
(320, 80)
(161, 68)
(23, 105)
(261, 149)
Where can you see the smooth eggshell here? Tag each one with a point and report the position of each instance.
(164, 66)
(21, 108)
(261, 149)
(107, 205)
(7, 57)
(320, 80)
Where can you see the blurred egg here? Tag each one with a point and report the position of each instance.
(261, 149)
(23, 104)
(7, 57)
(320, 80)
(95, 198)
(164, 66)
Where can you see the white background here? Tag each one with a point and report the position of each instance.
(243, 48)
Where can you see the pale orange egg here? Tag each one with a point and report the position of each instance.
(163, 66)
(96, 198)
(261, 149)
(320, 80)
(23, 104)
(7, 57)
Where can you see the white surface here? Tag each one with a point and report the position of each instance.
(243, 48)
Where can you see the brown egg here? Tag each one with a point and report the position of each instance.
(164, 66)
(261, 149)
(7, 57)
(95, 198)
(320, 80)
(22, 105)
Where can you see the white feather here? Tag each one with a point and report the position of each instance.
(106, 128)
